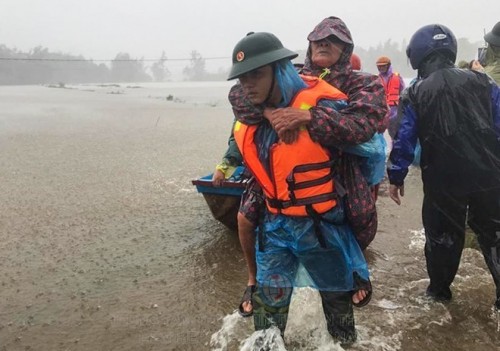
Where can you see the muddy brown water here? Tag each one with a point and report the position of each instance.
(105, 245)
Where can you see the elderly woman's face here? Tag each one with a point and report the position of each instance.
(257, 84)
(326, 52)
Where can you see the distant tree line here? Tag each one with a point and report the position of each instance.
(40, 66)
(196, 70)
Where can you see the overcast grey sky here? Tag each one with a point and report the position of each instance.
(99, 29)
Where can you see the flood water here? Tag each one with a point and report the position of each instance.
(105, 244)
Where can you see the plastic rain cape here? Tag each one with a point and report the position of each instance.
(289, 253)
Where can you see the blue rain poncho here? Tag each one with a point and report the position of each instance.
(372, 152)
(288, 251)
(291, 251)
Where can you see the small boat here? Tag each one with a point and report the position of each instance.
(223, 201)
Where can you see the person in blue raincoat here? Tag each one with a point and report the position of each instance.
(302, 240)
(455, 113)
(349, 128)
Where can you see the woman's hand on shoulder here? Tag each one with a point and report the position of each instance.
(287, 119)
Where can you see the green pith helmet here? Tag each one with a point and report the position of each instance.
(257, 50)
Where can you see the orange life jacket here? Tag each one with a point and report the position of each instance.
(392, 87)
(300, 176)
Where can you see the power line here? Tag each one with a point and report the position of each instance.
(106, 60)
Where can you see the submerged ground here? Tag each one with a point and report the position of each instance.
(105, 245)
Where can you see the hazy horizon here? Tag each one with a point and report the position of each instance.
(99, 30)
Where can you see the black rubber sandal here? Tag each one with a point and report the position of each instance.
(367, 286)
(247, 297)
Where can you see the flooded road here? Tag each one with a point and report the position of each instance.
(105, 244)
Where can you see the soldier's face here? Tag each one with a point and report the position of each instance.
(257, 84)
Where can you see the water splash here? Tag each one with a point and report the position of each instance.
(498, 319)
(417, 241)
(222, 338)
(495, 314)
(306, 329)
(264, 340)
(387, 304)
(378, 342)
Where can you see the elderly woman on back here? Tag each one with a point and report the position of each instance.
(328, 57)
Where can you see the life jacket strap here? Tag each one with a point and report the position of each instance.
(316, 217)
(292, 185)
(312, 167)
(280, 204)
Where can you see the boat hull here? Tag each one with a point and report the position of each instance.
(224, 209)
(223, 201)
